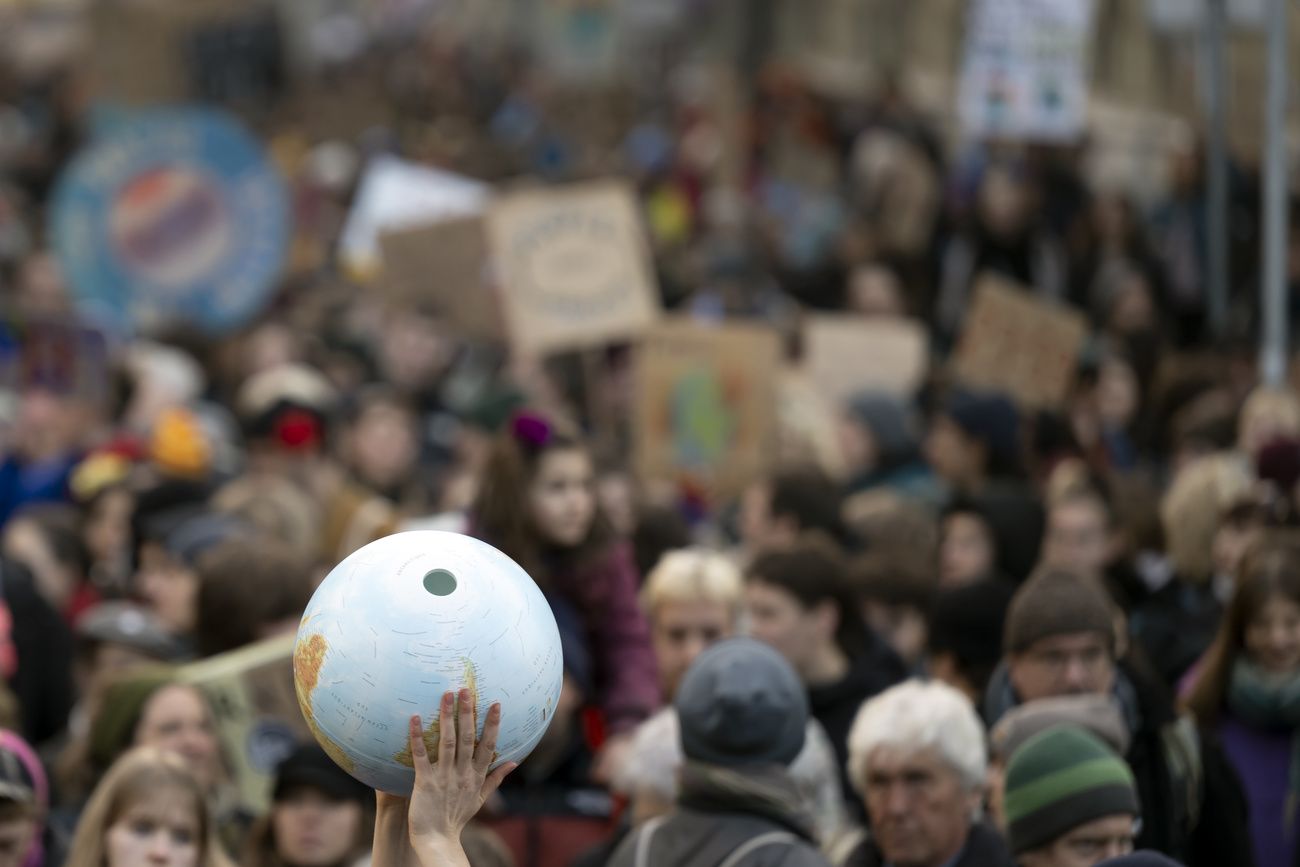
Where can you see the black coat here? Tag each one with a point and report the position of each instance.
(43, 680)
(1211, 833)
(873, 668)
(984, 848)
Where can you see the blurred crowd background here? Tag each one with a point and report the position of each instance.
(914, 333)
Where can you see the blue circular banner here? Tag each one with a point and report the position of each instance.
(172, 215)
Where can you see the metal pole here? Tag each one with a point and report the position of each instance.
(1217, 218)
(1274, 291)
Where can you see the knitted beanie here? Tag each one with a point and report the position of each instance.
(113, 728)
(741, 704)
(1057, 602)
(1060, 779)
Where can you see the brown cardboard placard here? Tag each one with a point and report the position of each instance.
(255, 710)
(847, 355)
(441, 268)
(1013, 342)
(705, 407)
(574, 266)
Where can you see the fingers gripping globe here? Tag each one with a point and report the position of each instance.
(404, 620)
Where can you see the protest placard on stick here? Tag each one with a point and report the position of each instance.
(846, 355)
(1013, 342)
(441, 268)
(705, 407)
(574, 266)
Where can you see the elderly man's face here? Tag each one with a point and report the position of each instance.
(920, 810)
(1074, 664)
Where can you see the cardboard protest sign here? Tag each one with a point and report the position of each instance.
(255, 708)
(1024, 70)
(847, 355)
(1013, 342)
(172, 215)
(397, 194)
(705, 404)
(574, 266)
(57, 355)
(442, 268)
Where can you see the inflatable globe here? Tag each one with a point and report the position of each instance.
(402, 621)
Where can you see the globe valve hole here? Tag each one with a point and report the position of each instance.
(440, 582)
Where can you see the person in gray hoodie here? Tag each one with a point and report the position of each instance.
(743, 714)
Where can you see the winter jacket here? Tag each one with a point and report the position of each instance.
(617, 636)
(1262, 758)
(1193, 806)
(873, 668)
(694, 838)
(984, 848)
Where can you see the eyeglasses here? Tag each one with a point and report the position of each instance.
(1091, 660)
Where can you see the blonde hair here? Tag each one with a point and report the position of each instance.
(141, 774)
(690, 575)
(1276, 406)
(1194, 507)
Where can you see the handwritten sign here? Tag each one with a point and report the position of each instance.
(705, 409)
(1015, 343)
(847, 355)
(1024, 73)
(441, 268)
(574, 266)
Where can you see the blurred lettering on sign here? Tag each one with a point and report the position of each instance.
(574, 265)
(57, 355)
(255, 708)
(1025, 69)
(441, 269)
(705, 404)
(1013, 342)
(174, 215)
(847, 355)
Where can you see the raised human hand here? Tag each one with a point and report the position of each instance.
(451, 789)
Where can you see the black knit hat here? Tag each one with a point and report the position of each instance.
(1057, 602)
(308, 765)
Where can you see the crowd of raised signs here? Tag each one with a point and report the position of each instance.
(939, 626)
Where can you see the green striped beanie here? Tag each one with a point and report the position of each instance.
(1060, 779)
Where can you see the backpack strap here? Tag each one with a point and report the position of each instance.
(643, 838)
(773, 838)
(1182, 745)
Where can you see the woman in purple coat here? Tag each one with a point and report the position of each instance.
(1249, 689)
(537, 503)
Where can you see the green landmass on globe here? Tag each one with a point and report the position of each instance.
(308, 657)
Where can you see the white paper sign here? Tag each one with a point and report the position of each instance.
(397, 194)
(1025, 73)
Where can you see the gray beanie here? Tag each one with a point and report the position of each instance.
(741, 703)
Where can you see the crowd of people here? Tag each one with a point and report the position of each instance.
(944, 629)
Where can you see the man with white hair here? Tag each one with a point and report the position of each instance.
(918, 758)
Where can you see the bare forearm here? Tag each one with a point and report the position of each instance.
(441, 853)
(392, 846)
